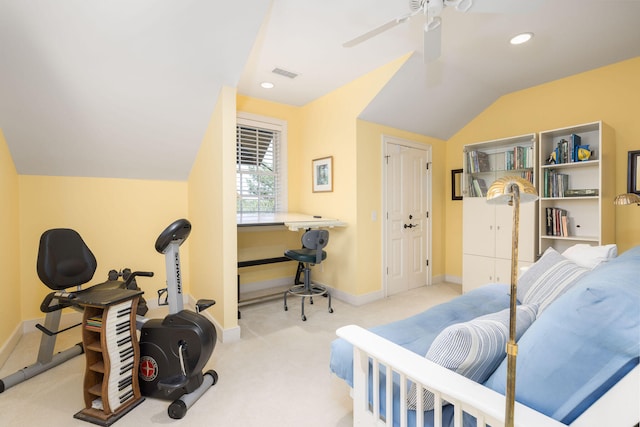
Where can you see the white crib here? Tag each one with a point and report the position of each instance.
(618, 407)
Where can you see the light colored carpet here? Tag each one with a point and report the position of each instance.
(276, 375)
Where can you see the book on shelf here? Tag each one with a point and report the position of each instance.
(557, 222)
(518, 158)
(555, 184)
(571, 150)
(479, 187)
(478, 161)
(581, 192)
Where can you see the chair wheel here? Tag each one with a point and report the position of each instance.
(286, 308)
(304, 318)
(330, 310)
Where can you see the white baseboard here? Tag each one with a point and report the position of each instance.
(453, 279)
(11, 343)
(266, 284)
(224, 335)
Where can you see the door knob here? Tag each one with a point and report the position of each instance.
(410, 225)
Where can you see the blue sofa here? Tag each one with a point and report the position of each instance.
(582, 344)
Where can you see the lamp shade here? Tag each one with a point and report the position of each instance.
(501, 191)
(626, 199)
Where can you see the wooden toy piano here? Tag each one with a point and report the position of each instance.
(112, 354)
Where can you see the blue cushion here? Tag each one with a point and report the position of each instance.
(547, 279)
(475, 348)
(584, 343)
(416, 333)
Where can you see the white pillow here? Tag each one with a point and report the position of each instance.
(590, 256)
(474, 348)
(547, 279)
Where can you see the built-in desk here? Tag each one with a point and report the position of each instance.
(292, 221)
(278, 221)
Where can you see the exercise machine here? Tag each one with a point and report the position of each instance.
(175, 349)
(64, 262)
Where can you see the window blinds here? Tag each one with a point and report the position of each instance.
(257, 169)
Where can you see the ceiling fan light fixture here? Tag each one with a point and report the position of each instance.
(521, 38)
(267, 85)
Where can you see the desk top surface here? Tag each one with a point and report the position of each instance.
(289, 219)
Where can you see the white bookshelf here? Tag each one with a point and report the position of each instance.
(590, 218)
(487, 228)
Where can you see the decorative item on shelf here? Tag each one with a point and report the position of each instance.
(569, 151)
(627, 199)
(512, 190)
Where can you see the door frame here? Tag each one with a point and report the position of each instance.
(385, 141)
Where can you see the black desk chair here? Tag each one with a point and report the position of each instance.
(313, 242)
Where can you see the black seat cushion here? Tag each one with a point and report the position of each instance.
(304, 255)
(64, 260)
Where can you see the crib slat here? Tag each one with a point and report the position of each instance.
(419, 405)
(403, 397)
(457, 416)
(375, 388)
(437, 410)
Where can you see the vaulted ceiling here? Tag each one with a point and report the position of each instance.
(126, 89)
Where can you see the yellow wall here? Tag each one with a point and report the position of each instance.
(212, 209)
(267, 244)
(119, 219)
(370, 163)
(329, 127)
(10, 315)
(610, 94)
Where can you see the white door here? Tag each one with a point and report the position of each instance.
(407, 229)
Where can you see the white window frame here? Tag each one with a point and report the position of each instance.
(271, 123)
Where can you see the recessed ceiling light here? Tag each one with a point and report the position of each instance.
(521, 38)
(267, 85)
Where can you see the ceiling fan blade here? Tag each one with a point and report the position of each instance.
(499, 6)
(432, 44)
(379, 30)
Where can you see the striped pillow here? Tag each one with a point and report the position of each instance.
(475, 348)
(547, 279)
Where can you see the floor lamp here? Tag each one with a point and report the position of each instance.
(626, 199)
(512, 190)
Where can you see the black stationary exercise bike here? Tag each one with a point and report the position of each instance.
(175, 349)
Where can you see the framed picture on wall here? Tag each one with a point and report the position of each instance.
(633, 172)
(456, 184)
(322, 174)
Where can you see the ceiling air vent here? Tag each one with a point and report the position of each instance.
(285, 73)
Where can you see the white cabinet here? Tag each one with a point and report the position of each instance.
(487, 233)
(576, 195)
(487, 229)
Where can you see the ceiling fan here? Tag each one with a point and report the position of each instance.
(432, 9)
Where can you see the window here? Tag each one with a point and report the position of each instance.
(261, 178)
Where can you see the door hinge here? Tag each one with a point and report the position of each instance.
(427, 214)
(428, 163)
(427, 261)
